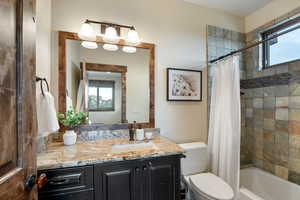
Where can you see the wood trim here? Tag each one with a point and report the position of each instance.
(151, 123)
(124, 98)
(63, 36)
(104, 67)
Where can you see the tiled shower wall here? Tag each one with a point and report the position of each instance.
(270, 129)
(272, 108)
(219, 42)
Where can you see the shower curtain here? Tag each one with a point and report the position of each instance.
(225, 122)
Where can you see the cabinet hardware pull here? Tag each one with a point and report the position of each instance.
(137, 169)
(67, 179)
(145, 168)
(42, 180)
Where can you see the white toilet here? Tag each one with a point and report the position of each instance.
(201, 184)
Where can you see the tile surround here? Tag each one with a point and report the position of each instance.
(277, 150)
(270, 132)
(280, 143)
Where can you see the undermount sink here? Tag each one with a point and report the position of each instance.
(133, 146)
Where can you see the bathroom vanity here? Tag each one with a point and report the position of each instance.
(110, 169)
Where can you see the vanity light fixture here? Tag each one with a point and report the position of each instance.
(133, 37)
(89, 45)
(110, 37)
(110, 47)
(87, 32)
(128, 49)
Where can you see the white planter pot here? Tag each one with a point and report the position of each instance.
(69, 137)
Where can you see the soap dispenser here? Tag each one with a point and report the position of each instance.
(132, 128)
(140, 135)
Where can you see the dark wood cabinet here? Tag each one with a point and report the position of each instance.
(74, 195)
(162, 180)
(68, 183)
(115, 181)
(143, 179)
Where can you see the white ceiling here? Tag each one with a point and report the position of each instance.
(235, 7)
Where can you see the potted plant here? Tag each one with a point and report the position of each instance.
(71, 120)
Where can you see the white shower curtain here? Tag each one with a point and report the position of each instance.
(225, 122)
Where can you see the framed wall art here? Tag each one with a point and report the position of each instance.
(184, 85)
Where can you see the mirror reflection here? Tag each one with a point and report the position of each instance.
(112, 86)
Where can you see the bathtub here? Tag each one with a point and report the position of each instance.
(257, 184)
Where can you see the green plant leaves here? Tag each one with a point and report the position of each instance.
(71, 118)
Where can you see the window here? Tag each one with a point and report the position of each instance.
(283, 49)
(101, 95)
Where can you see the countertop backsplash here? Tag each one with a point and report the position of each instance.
(88, 135)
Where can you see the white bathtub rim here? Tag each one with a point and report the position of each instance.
(267, 185)
(249, 194)
(272, 176)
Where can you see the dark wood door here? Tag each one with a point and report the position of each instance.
(17, 99)
(116, 181)
(163, 181)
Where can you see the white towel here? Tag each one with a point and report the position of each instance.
(46, 114)
(69, 103)
(80, 98)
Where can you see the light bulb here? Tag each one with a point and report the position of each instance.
(110, 47)
(128, 49)
(89, 45)
(111, 35)
(133, 37)
(87, 32)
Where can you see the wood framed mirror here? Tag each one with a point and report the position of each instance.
(126, 85)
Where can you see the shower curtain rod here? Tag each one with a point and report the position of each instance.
(254, 44)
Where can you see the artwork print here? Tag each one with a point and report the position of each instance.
(184, 85)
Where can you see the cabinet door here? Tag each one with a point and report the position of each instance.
(163, 179)
(116, 181)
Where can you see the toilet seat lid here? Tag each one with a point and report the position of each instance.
(212, 186)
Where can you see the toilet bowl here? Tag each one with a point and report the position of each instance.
(207, 186)
(200, 185)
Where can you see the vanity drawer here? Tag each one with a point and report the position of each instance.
(68, 179)
(80, 195)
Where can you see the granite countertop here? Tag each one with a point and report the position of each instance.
(102, 150)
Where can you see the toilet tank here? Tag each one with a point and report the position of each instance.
(196, 158)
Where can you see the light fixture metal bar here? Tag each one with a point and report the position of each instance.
(110, 24)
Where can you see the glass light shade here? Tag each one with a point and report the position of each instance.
(110, 47)
(89, 45)
(133, 37)
(128, 49)
(111, 35)
(87, 32)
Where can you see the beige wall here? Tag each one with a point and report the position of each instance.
(43, 40)
(179, 31)
(271, 11)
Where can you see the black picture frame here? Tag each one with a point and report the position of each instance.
(169, 98)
